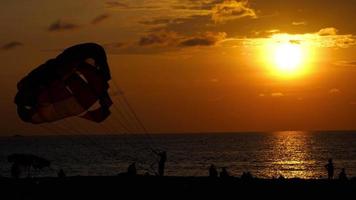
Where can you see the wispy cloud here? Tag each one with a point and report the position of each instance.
(61, 25)
(100, 18)
(334, 91)
(11, 45)
(277, 94)
(301, 23)
(324, 38)
(328, 31)
(207, 39)
(232, 9)
(158, 38)
(346, 63)
(116, 4)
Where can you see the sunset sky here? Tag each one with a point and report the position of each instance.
(196, 65)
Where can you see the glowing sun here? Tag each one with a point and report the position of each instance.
(287, 55)
(288, 58)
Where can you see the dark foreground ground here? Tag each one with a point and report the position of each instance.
(148, 187)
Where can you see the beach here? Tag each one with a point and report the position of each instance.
(118, 187)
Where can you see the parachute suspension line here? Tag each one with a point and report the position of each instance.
(125, 117)
(122, 124)
(133, 114)
(152, 146)
(125, 112)
(125, 109)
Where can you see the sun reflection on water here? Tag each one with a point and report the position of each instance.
(291, 155)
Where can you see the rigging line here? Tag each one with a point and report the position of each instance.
(126, 116)
(135, 116)
(119, 120)
(125, 110)
(125, 135)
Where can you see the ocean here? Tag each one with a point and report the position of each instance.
(266, 155)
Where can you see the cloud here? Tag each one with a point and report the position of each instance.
(345, 63)
(11, 45)
(324, 38)
(208, 39)
(328, 31)
(230, 10)
(159, 38)
(197, 5)
(169, 38)
(277, 94)
(116, 4)
(100, 18)
(60, 25)
(301, 23)
(334, 91)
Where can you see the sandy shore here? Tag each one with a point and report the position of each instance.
(83, 187)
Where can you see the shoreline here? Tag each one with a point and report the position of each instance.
(104, 187)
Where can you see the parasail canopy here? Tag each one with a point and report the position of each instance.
(75, 83)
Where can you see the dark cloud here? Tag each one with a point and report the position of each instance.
(208, 39)
(100, 18)
(232, 9)
(159, 38)
(197, 5)
(116, 4)
(159, 21)
(11, 45)
(295, 41)
(60, 25)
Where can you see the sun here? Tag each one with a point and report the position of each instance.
(288, 58)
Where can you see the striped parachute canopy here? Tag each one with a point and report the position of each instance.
(75, 83)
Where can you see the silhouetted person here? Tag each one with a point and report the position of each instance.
(342, 175)
(131, 170)
(213, 172)
(224, 173)
(61, 173)
(161, 163)
(330, 168)
(246, 176)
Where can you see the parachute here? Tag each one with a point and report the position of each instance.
(75, 83)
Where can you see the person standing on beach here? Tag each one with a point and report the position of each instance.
(131, 170)
(342, 175)
(330, 168)
(213, 172)
(161, 163)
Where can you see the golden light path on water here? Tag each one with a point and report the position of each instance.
(291, 156)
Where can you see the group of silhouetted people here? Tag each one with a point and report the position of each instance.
(330, 169)
(162, 155)
(213, 172)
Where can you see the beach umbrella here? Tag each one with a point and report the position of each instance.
(75, 83)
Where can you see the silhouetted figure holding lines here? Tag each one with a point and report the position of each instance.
(162, 161)
(213, 172)
(330, 168)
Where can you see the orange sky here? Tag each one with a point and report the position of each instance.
(194, 66)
